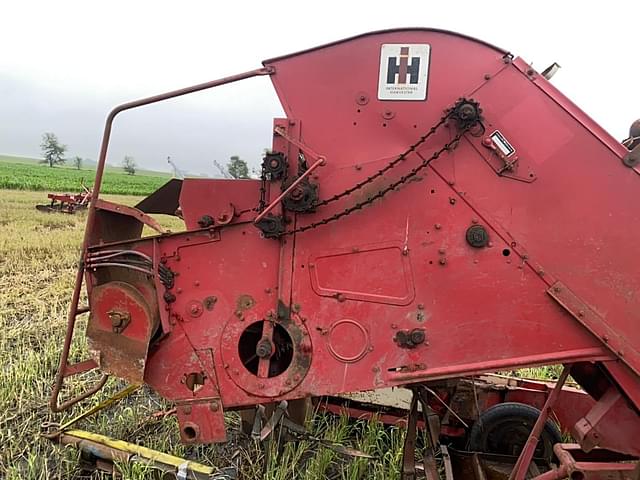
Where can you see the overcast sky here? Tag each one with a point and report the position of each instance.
(65, 64)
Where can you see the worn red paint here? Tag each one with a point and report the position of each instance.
(562, 215)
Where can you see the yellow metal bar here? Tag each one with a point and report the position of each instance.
(143, 452)
(110, 401)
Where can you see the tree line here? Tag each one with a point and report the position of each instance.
(53, 153)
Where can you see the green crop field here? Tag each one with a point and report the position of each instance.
(26, 174)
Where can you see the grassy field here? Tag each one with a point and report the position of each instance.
(26, 176)
(38, 254)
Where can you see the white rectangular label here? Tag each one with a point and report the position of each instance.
(502, 143)
(404, 71)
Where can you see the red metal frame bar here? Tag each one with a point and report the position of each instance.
(302, 146)
(585, 469)
(522, 465)
(131, 212)
(63, 366)
(310, 170)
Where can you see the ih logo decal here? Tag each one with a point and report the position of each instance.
(399, 68)
(404, 71)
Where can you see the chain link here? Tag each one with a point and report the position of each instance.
(387, 167)
(464, 124)
(381, 193)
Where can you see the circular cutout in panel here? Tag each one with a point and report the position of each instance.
(348, 340)
(267, 358)
(255, 345)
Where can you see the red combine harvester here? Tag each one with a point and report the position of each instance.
(431, 208)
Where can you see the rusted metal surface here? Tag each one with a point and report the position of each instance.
(67, 202)
(130, 212)
(603, 465)
(120, 329)
(338, 291)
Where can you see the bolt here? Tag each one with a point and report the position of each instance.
(605, 338)
(214, 406)
(340, 297)
(264, 348)
(581, 313)
(296, 307)
(187, 409)
(421, 306)
(441, 251)
(438, 226)
(442, 261)
(474, 220)
(209, 302)
(394, 326)
(358, 167)
(452, 200)
(267, 290)
(375, 369)
(417, 336)
(487, 76)
(261, 386)
(557, 289)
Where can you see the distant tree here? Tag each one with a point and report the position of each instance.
(77, 162)
(52, 149)
(237, 167)
(129, 165)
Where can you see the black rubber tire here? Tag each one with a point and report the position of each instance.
(504, 429)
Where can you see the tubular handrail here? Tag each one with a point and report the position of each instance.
(73, 310)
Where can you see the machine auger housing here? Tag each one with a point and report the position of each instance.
(431, 207)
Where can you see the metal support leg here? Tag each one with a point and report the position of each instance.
(522, 465)
(432, 424)
(408, 452)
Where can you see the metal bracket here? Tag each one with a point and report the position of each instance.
(593, 322)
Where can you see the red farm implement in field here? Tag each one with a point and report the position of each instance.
(431, 209)
(67, 202)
